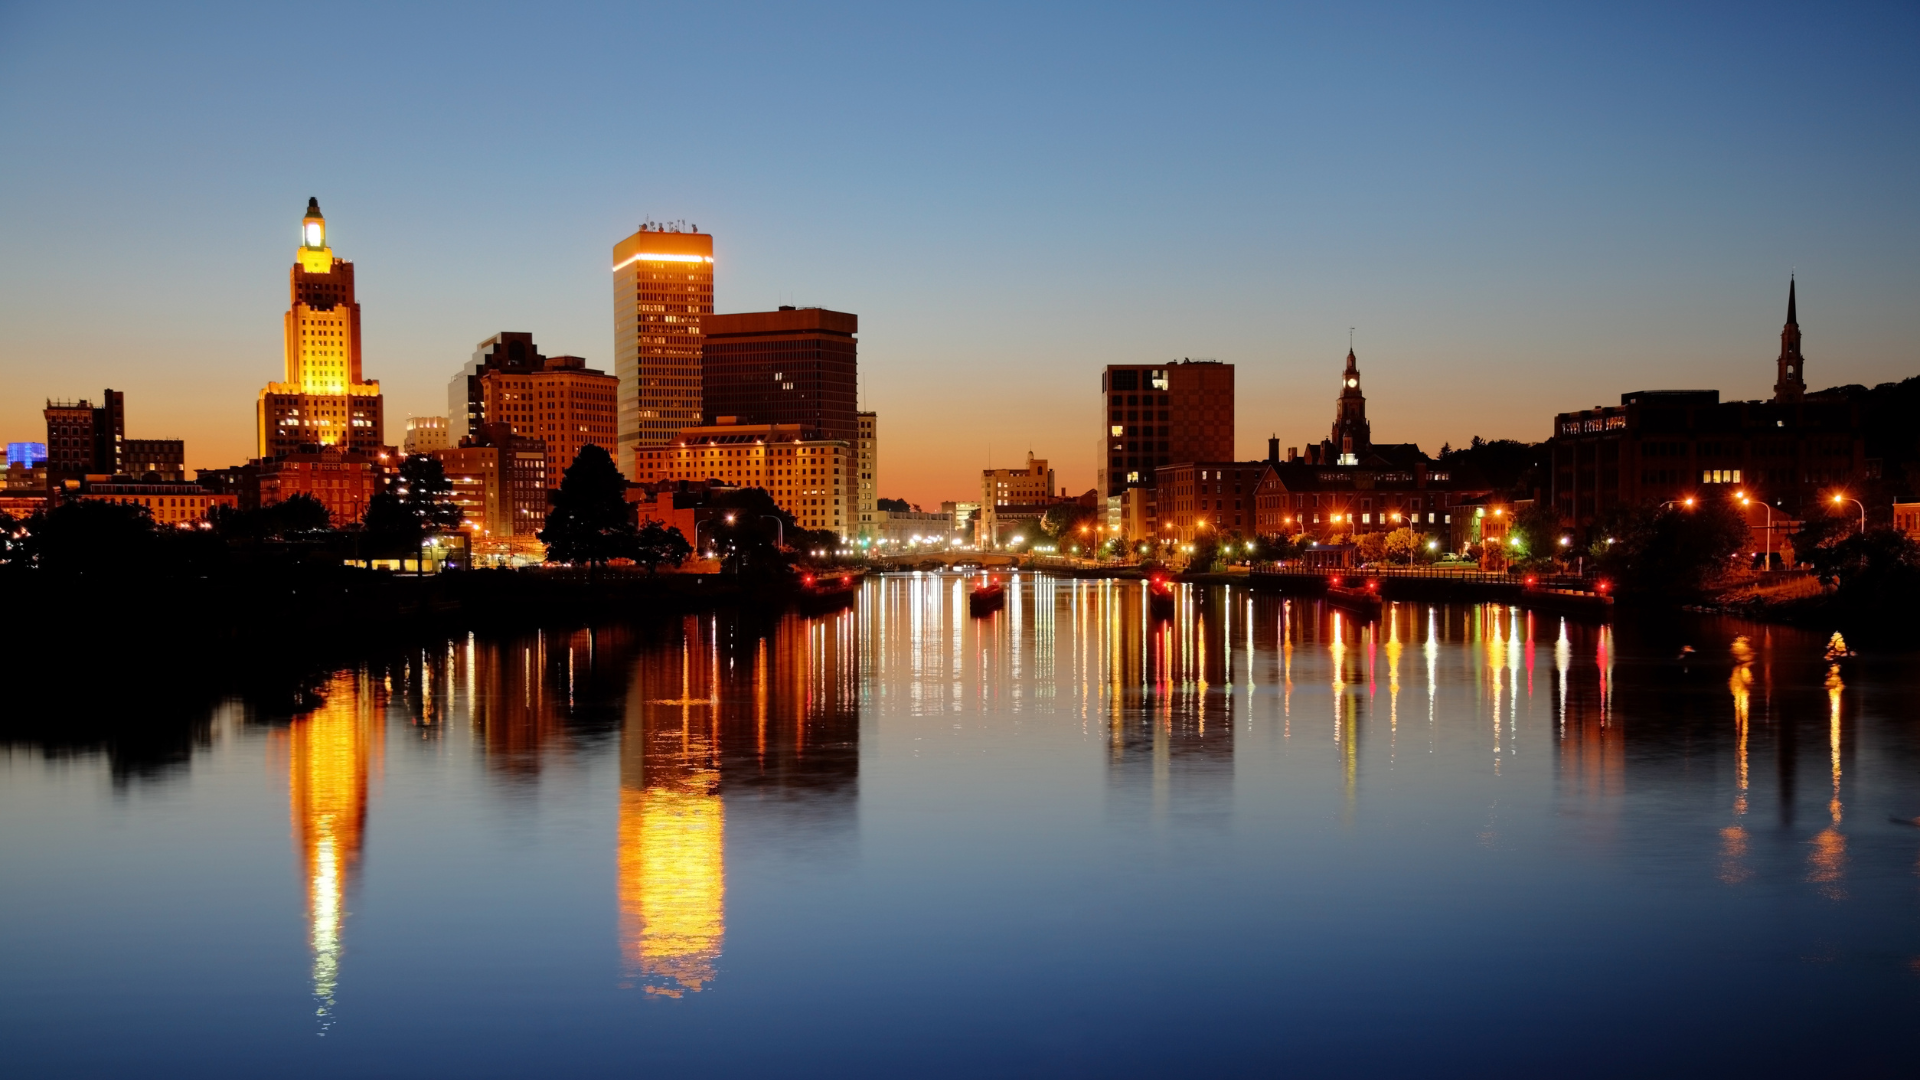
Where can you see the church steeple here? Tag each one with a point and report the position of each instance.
(1791, 382)
(1351, 435)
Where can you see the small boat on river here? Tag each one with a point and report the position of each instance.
(987, 597)
(1160, 596)
(825, 590)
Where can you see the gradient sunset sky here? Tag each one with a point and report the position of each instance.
(1522, 209)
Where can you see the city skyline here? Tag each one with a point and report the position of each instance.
(1503, 262)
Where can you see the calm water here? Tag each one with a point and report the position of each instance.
(1262, 837)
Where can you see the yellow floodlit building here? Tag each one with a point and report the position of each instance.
(324, 401)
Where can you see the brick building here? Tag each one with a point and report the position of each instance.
(1790, 452)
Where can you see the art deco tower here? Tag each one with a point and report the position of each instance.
(323, 402)
(1791, 384)
(662, 288)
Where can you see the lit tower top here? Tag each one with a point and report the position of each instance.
(323, 318)
(315, 255)
(1351, 434)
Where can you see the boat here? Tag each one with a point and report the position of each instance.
(987, 597)
(1160, 596)
(818, 591)
(1364, 599)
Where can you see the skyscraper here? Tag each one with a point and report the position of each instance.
(790, 366)
(1158, 415)
(323, 402)
(558, 400)
(662, 292)
(866, 454)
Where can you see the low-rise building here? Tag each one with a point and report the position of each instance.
(344, 481)
(1387, 488)
(812, 479)
(171, 502)
(162, 459)
(425, 434)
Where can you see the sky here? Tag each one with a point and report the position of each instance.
(1517, 209)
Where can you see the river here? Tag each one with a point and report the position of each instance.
(1262, 836)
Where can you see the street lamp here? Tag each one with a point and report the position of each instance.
(1839, 499)
(1745, 501)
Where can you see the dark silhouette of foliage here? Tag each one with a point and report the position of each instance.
(1503, 465)
(752, 544)
(1672, 550)
(301, 516)
(89, 535)
(417, 503)
(591, 521)
(892, 506)
(658, 543)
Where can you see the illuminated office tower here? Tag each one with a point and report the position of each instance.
(324, 402)
(662, 291)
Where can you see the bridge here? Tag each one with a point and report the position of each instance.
(951, 557)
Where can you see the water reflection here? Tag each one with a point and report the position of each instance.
(709, 748)
(330, 753)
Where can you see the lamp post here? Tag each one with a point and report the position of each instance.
(1838, 499)
(1745, 501)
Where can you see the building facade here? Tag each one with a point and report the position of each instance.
(344, 481)
(866, 496)
(1012, 494)
(812, 479)
(164, 459)
(1202, 499)
(662, 293)
(425, 434)
(1381, 492)
(324, 400)
(564, 404)
(790, 366)
(1161, 414)
(175, 503)
(84, 438)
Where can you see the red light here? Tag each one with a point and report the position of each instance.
(1336, 581)
(1529, 579)
(1602, 586)
(809, 579)
(844, 578)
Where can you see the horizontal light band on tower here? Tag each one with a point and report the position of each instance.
(645, 257)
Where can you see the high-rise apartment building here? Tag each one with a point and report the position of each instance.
(1162, 414)
(84, 438)
(866, 452)
(324, 401)
(812, 479)
(790, 366)
(558, 400)
(662, 293)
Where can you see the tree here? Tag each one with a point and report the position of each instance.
(657, 543)
(591, 521)
(1063, 522)
(1672, 549)
(892, 506)
(299, 516)
(1405, 545)
(89, 535)
(1372, 547)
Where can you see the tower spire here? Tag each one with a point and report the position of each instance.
(1791, 383)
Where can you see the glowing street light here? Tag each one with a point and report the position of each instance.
(1841, 499)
